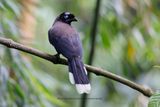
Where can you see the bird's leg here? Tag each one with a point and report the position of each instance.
(57, 57)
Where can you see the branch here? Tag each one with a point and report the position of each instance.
(98, 71)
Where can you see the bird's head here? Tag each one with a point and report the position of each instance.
(66, 17)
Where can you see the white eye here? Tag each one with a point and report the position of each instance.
(66, 16)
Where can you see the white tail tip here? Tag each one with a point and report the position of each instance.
(85, 70)
(71, 78)
(83, 88)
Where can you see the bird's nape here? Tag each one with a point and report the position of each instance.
(66, 17)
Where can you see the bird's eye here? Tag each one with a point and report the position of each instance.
(66, 16)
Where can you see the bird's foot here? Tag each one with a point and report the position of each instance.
(57, 58)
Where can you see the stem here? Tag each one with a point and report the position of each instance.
(93, 43)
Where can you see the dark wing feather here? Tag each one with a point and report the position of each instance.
(67, 45)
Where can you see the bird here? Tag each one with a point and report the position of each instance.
(66, 40)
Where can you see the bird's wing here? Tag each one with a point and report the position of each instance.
(68, 45)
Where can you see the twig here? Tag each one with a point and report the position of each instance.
(98, 71)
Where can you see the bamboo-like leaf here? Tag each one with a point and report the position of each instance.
(154, 100)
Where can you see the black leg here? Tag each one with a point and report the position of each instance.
(57, 57)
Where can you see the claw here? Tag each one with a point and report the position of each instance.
(55, 58)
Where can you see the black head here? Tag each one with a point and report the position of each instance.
(66, 17)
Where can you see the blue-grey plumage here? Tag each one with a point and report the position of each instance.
(66, 41)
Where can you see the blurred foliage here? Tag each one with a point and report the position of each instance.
(20, 82)
(154, 101)
(128, 41)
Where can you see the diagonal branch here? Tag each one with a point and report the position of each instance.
(98, 71)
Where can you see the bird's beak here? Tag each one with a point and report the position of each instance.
(74, 19)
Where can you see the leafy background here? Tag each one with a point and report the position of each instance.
(127, 44)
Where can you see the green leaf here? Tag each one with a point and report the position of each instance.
(154, 100)
(12, 6)
(156, 66)
(104, 35)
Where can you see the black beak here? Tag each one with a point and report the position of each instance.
(74, 19)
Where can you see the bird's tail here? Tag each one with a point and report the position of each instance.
(78, 75)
